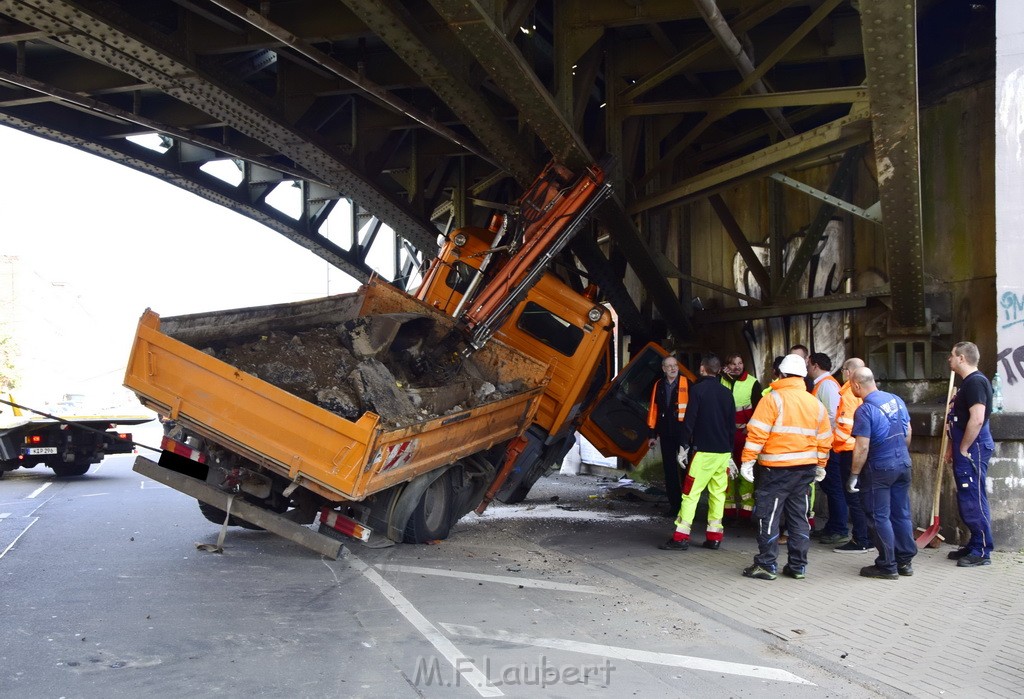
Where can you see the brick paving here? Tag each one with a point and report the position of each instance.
(944, 631)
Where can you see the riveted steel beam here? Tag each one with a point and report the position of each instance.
(866, 214)
(753, 77)
(677, 64)
(739, 239)
(890, 56)
(727, 105)
(506, 66)
(245, 198)
(827, 304)
(125, 44)
(837, 189)
(439, 69)
(835, 136)
(377, 92)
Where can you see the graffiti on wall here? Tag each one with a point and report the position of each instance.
(1012, 360)
(1013, 309)
(822, 332)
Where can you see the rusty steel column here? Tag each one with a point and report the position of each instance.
(890, 56)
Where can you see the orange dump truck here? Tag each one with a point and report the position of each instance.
(255, 454)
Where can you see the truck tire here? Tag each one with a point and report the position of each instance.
(216, 515)
(74, 469)
(432, 518)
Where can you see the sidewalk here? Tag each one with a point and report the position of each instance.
(945, 631)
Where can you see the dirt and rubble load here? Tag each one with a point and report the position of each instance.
(372, 363)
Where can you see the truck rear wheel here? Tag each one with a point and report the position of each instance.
(74, 469)
(432, 518)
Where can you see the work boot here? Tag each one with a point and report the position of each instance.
(834, 539)
(905, 569)
(713, 545)
(878, 573)
(852, 546)
(970, 561)
(673, 545)
(958, 554)
(795, 573)
(756, 571)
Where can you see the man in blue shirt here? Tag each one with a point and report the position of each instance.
(881, 467)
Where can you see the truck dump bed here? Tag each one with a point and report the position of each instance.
(338, 458)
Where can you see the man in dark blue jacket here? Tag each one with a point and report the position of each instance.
(881, 469)
(708, 430)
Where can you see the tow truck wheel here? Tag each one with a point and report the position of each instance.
(74, 469)
(432, 518)
(216, 515)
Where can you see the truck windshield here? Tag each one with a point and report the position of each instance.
(459, 276)
(555, 332)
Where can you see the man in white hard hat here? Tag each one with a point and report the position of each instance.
(788, 440)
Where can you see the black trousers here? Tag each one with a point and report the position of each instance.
(782, 494)
(674, 473)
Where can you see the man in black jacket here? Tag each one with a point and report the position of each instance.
(709, 426)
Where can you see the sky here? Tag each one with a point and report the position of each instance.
(86, 245)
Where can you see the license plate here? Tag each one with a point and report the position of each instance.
(35, 451)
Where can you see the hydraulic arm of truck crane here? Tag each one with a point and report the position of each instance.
(545, 219)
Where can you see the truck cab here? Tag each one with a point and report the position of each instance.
(572, 334)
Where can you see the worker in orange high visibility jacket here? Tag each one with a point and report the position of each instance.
(665, 420)
(788, 439)
(843, 443)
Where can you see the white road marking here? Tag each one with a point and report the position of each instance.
(642, 656)
(93, 495)
(151, 485)
(11, 545)
(4, 515)
(38, 490)
(458, 660)
(503, 579)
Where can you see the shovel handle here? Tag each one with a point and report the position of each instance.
(943, 443)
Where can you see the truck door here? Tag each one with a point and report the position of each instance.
(617, 422)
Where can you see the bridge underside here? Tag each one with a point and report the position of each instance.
(424, 114)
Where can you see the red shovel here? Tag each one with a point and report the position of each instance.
(926, 536)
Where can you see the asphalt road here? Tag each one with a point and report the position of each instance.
(106, 595)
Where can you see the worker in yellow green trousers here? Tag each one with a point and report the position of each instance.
(708, 429)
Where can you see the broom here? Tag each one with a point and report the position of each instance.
(927, 537)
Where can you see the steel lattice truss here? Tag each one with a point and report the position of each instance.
(422, 113)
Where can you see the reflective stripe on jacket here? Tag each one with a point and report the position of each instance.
(789, 428)
(842, 440)
(681, 399)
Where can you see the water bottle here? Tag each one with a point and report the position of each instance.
(997, 394)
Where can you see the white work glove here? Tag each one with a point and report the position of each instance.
(747, 471)
(851, 483)
(684, 456)
(819, 474)
(732, 469)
